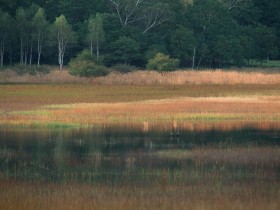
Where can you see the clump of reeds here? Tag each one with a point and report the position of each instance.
(181, 77)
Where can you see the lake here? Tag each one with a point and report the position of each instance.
(117, 155)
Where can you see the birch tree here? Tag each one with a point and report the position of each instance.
(96, 33)
(22, 25)
(64, 35)
(4, 30)
(41, 27)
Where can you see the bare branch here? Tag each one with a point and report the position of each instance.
(231, 4)
(126, 10)
(154, 16)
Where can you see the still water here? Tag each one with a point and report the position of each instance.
(116, 155)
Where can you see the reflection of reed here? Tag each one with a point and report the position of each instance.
(145, 127)
(174, 128)
(130, 162)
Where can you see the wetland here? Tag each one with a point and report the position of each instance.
(139, 147)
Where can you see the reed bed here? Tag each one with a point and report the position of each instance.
(179, 77)
(182, 77)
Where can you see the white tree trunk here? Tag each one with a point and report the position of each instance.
(2, 51)
(26, 52)
(97, 50)
(193, 60)
(31, 53)
(60, 51)
(21, 51)
(39, 48)
(91, 46)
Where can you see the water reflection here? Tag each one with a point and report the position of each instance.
(114, 155)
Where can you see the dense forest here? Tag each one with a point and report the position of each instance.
(196, 33)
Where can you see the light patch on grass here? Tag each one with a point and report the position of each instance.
(40, 112)
(208, 109)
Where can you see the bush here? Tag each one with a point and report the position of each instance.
(162, 62)
(84, 66)
(124, 68)
(43, 69)
(22, 69)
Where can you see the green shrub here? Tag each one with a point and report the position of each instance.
(162, 62)
(84, 66)
(124, 68)
(86, 55)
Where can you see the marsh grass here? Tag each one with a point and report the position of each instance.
(200, 195)
(182, 109)
(26, 97)
(179, 77)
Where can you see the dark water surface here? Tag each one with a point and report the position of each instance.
(117, 155)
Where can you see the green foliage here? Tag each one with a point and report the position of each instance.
(153, 49)
(162, 63)
(265, 43)
(126, 50)
(85, 66)
(123, 68)
(200, 33)
(182, 43)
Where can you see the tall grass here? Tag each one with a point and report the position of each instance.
(180, 77)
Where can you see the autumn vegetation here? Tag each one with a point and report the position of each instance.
(166, 66)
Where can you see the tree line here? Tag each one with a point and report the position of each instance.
(197, 33)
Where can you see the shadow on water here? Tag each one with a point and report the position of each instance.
(117, 155)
